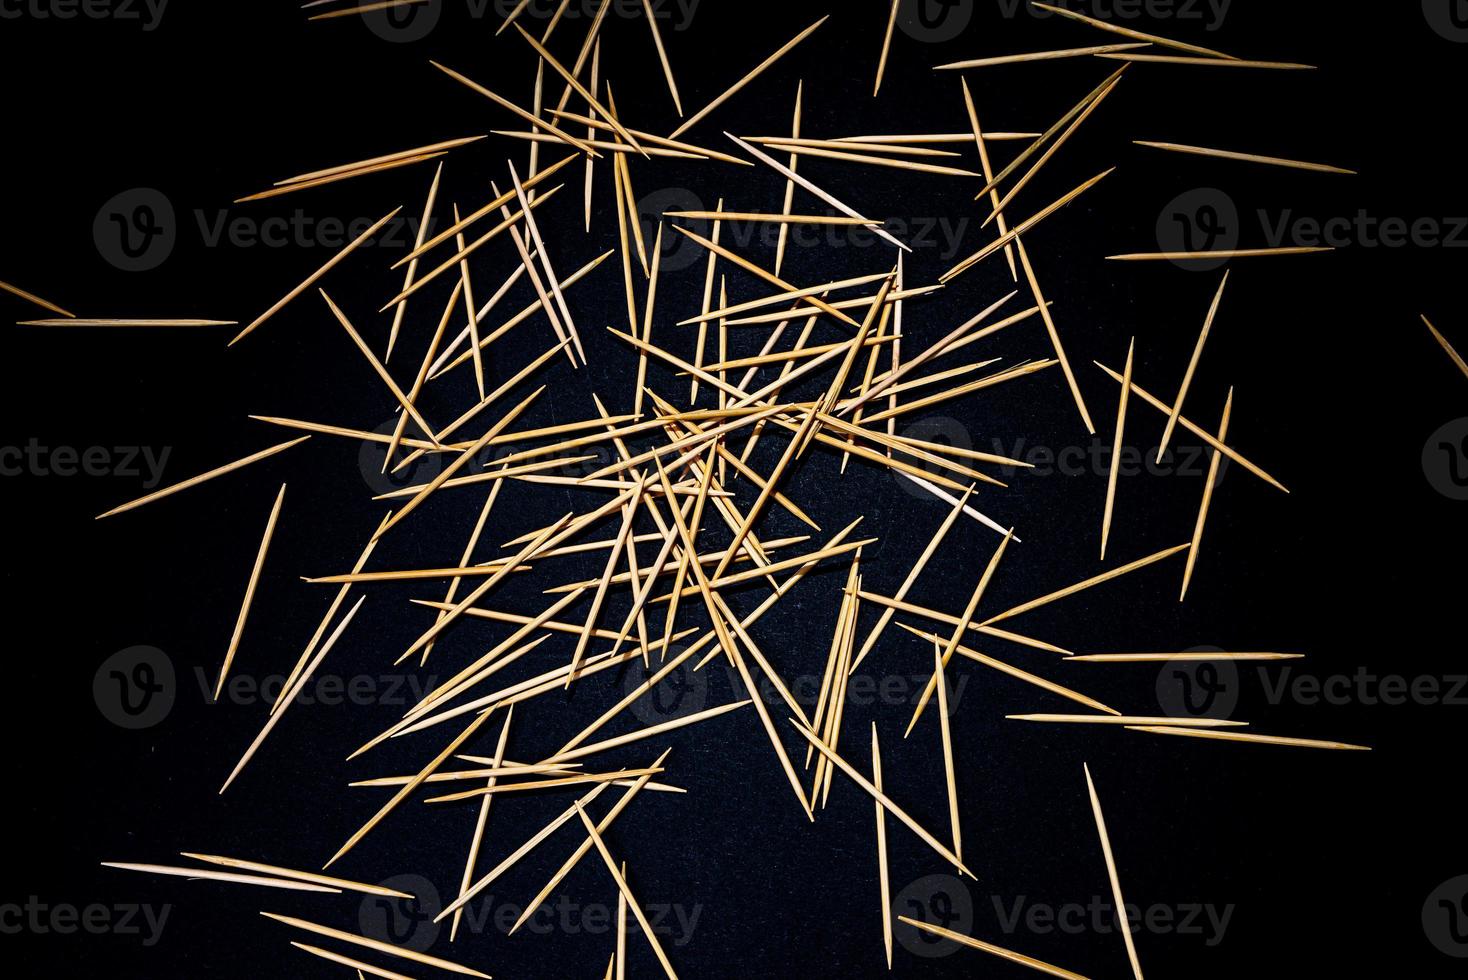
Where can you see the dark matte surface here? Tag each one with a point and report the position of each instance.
(1323, 861)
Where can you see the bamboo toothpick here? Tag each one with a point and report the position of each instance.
(1197, 430)
(763, 273)
(315, 276)
(402, 308)
(1070, 378)
(747, 78)
(626, 892)
(1012, 59)
(337, 883)
(990, 948)
(381, 372)
(363, 8)
(1216, 458)
(1298, 743)
(1195, 657)
(882, 70)
(1115, 468)
(1182, 392)
(194, 481)
(944, 727)
(477, 840)
(1106, 25)
(1121, 914)
(506, 104)
(291, 188)
(814, 149)
(287, 884)
(1443, 342)
(884, 885)
(1165, 59)
(132, 322)
(33, 298)
(376, 945)
(1216, 255)
(1088, 583)
(347, 961)
(467, 288)
(657, 40)
(239, 626)
(1204, 151)
(1157, 721)
(769, 218)
(988, 171)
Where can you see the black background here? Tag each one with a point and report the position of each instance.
(1326, 858)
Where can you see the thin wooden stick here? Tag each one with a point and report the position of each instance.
(805, 148)
(1070, 378)
(580, 90)
(545, 263)
(1095, 580)
(1196, 430)
(1443, 342)
(1182, 392)
(1024, 226)
(882, 70)
(1121, 914)
(790, 174)
(283, 189)
(478, 839)
(883, 799)
(1299, 743)
(1106, 25)
(377, 367)
(883, 881)
(651, 140)
(1216, 255)
(203, 875)
(401, 311)
(133, 322)
(1196, 657)
(941, 617)
(1213, 466)
(708, 296)
(363, 8)
(1115, 469)
(747, 78)
(467, 288)
(998, 951)
(1012, 59)
(376, 945)
(423, 368)
(33, 298)
(347, 961)
(239, 626)
(944, 726)
(657, 40)
(763, 273)
(1164, 59)
(194, 481)
(788, 295)
(337, 883)
(1203, 151)
(504, 103)
(467, 556)
(789, 201)
(988, 171)
(315, 276)
(769, 218)
(606, 855)
(591, 130)
(1160, 721)
(385, 158)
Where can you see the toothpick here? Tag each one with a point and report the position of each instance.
(883, 881)
(376, 945)
(397, 319)
(1070, 378)
(478, 839)
(1203, 151)
(1106, 25)
(1182, 392)
(580, 90)
(1299, 743)
(363, 8)
(1011, 59)
(504, 103)
(239, 626)
(747, 78)
(1115, 468)
(315, 276)
(1217, 255)
(33, 298)
(1443, 342)
(606, 856)
(657, 40)
(203, 875)
(291, 188)
(124, 323)
(944, 726)
(270, 869)
(708, 295)
(1211, 62)
(358, 965)
(1095, 580)
(194, 481)
(1213, 465)
(1197, 657)
(881, 70)
(1121, 914)
(998, 951)
(988, 171)
(377, 367)
(784, 239)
